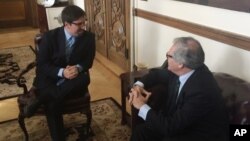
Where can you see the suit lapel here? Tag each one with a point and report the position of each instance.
(189, 84)
(182, 92)
(75, 46)
(78, 40)
(61, 43)
(170, 106)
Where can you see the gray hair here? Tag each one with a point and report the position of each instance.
(188, 52)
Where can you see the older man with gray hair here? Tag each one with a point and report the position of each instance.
(193, 109)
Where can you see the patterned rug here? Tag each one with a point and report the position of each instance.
(106, 125)
(12, 62)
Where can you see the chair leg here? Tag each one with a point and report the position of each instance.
(23, 127)
(89, 119)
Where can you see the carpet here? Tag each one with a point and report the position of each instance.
(12, 62)
(106, 125)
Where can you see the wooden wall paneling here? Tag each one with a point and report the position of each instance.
(17, 13)
(34, 13)
(12, 13)
(42, 19)
(100, 25)
(109, 20)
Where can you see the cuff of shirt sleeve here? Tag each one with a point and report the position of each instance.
(79, 68)
(60, 73)
(143, 111)
(139, 83)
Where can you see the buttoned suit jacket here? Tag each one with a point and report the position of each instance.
(52, 56)
(198, 114)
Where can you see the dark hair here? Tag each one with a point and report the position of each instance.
(188, 52)
(71, 13)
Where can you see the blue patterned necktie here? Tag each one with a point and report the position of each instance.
(68, 51)
(69, 48)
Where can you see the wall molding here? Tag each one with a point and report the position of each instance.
(237, 40)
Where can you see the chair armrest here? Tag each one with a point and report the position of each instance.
(133, 76)
(37, 40)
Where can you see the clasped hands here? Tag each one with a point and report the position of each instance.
(138, 96)
(70, 72)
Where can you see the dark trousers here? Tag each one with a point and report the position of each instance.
(53, 97)
(55, 121)
(142, 132)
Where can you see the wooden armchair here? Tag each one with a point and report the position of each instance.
(74, 104)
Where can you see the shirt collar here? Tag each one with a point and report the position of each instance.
(183, 78)
(67, 35)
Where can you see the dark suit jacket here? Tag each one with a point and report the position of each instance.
(51, 56)
(199, 114)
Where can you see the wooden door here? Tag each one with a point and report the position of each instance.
(97, 23)
(17, 13)
(118, 32)
(109, 20)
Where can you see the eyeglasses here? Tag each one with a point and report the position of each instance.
(79, 24)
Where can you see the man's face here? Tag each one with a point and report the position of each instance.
(173, 66)
(77, 27)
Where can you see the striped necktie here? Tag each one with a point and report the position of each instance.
(177, 87)
(69, 47)
(68, 50)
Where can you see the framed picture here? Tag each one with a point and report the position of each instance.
(237, 5)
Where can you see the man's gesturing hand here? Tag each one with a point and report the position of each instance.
(137, 98)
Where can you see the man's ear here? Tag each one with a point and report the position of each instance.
(66, 24)
(181, 66)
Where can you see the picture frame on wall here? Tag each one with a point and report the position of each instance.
(236, 5)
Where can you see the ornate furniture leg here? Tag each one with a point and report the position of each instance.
(22, 125)
(89, 118)
(123, 99)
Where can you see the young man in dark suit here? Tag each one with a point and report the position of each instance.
(64, 58)
(194, 108)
